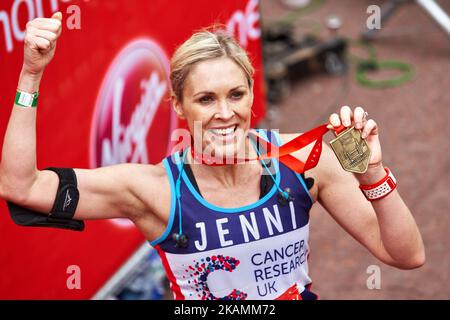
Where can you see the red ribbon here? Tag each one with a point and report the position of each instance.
(290, 294)
(284, 152)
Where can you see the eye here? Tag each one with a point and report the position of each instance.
(236, 95)
(206, 99)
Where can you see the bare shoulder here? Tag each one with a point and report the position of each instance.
(151, 185)
(146, 171)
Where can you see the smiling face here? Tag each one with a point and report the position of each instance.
(217, 99)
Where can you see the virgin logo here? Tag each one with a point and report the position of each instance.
(133, 94)
(133, 117)
(244, 25)
(119, 148)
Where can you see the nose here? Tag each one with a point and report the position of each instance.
(225, 111)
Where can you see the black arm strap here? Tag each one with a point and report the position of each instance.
(67, 196)
(63, 210)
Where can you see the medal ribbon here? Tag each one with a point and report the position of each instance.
(284, 152)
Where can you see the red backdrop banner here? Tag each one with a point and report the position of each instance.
(104, 100)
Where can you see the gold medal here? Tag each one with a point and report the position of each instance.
(351, 150)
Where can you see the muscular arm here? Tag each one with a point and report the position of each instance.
(18, 172)
(385, 227)
(107, 192)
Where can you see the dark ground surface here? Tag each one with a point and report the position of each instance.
(415, 133)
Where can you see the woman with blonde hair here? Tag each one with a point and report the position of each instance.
(224, 229)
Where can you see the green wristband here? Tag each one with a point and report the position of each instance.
(25, 99)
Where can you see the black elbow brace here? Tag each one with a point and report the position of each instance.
(63, 210)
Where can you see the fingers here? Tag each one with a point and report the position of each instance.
(57, 16)
(42, 33)
(359, 118)
(346, 116)
(40, 39)
(369, 128)
(41, 44)
(334, 120)
(48, 35)
(53, 25)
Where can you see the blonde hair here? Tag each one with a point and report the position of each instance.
(201, 46)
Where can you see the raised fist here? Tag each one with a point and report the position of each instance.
(40, 42)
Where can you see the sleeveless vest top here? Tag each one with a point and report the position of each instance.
(258, 251)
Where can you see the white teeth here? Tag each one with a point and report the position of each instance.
(223, 131)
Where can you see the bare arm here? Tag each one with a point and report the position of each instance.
(386, 226)
(107, 192)
(18, 170)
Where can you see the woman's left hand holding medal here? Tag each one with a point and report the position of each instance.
(369, 132)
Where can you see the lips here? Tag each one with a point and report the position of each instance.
(223, 131)
(223, 135)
